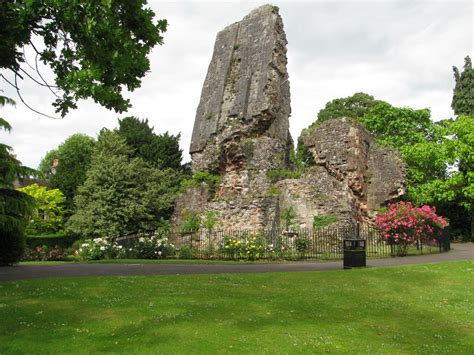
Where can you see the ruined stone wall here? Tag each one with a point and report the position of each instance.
(369, 175)
(386, 177)
(241, 132)
(245, 99)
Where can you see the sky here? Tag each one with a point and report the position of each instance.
(401, 52)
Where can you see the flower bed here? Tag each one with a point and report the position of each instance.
(404, 225)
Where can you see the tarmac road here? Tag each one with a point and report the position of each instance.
(23, 272)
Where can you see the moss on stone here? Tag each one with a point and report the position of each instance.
(276, 175)
(324, 220)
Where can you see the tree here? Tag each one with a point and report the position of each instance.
(392, 126)
(456, 187)
(15, 206)
(162, 151)
(136, 132)
(409, 131)
(49, 209)
(122, 194)
(426, 161)
(355, 106)
(463, 93)
(95, 49)
(73, 158)
(398, 126)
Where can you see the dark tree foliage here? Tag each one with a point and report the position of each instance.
(95, 49)
(161, 151)
(121, 194)
(355, 106)
(15, 206)
(463, 93)
(136, 132)
(164, 152)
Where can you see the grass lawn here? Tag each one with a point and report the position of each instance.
(408, 309)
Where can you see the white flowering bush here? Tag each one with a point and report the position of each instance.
(99, 248)
(154, 247)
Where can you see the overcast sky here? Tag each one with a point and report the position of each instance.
(401, 52)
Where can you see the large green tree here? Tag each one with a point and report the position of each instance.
(49, 209)
(438, 155)
(66, 166)
(453, 191)
(355, 106)
(96, 49)
(398, 126)
(463, 94)
(121, 194)
(392, 126)
(162, 150)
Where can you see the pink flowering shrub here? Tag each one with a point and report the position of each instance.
(403, 225)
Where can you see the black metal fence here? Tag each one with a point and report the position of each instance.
(321, 243)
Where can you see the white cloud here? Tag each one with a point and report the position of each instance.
(401, 52)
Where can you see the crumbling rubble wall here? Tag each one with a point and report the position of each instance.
(241, 133)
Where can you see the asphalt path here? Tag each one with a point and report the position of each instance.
(23, 272)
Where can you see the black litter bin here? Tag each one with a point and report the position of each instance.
(354, 253)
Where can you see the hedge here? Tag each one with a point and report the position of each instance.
(50, 240)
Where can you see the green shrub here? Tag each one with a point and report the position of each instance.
(274, 191)
(251, 247)
(324, 220)
(186, 252)
(302, 246)
(190, 223)
(381, 210)
(211, 180)
(45, 253)
(254, 247)
(288, 216)
(212, 251)
(303, 157)
(59, 239)
(153, 247)
(99, 248)
(282, 247)
(210, 220)
(232, 247)
(12, 243)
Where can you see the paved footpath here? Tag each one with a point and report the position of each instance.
(20, 272)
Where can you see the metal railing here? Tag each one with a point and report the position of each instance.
(277, 243)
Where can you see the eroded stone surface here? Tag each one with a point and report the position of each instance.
(371, 175)
(245, 99)
(241, 129)
(241, 132)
